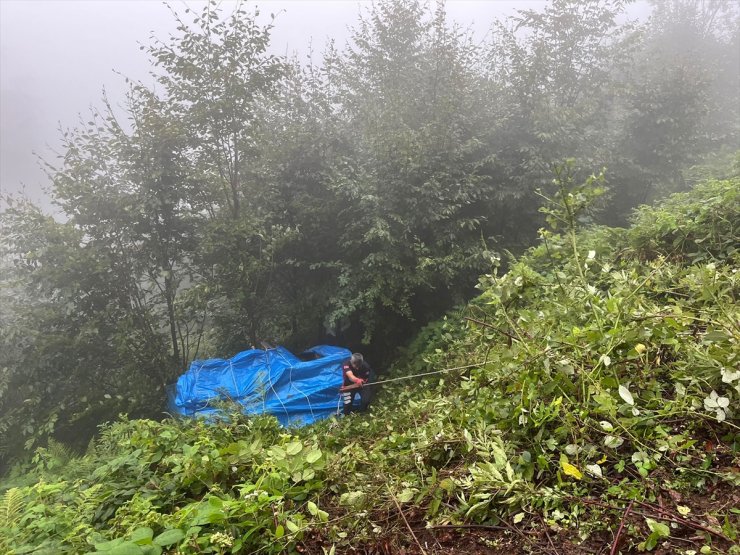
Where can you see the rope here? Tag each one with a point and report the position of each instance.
(290, 379)
(427, 374)
(340, 402)
(233, 379)
(269, 377)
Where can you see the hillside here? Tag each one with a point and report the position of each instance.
(585, 402)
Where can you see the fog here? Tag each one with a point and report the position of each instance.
(244, 200)
(57, 57)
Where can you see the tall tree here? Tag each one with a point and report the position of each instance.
(299, 153)
(130, 196)
(154, 230)
(407, 228)
(214, 75)
(556, 74)
(683, 100)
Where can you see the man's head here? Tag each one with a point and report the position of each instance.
(356, 360)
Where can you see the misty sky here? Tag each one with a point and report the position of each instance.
(56, 56)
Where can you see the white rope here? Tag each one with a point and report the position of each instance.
(290, 377)
(233, 379)
(340, 402)
(267, 363)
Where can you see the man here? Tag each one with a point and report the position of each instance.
(356, 372)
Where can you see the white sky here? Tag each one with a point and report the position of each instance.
(56, 56)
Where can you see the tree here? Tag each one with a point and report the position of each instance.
(682, 101)
(121, 287)
(215, 75)
(408, 227)
(296, 168)
(556, 72)
(73, 350)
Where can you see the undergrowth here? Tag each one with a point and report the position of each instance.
(601, 410)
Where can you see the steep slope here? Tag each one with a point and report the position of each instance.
(585, 402)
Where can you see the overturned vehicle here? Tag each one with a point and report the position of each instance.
(297, 390)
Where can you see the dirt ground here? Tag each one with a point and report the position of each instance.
(688, 532)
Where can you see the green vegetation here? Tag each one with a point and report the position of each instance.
(604, 392)
(585, 400)
(351, 198)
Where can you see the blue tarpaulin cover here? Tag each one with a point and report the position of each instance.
(273, 381)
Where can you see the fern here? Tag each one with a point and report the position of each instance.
(10, 512)
(61, 453)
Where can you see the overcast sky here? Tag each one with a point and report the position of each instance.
(56, 56)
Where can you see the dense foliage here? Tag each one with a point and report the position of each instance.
(248, 197)
(595, 382)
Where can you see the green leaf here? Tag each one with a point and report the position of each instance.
(658, 528)
(127, 548)
(312, 508)
(447, 485)
(107, 546)
(293, 448)
(209, 515)
(277, 452)
(142, 536)
(313, 456)
(406, 495)
(352, 499)
(716, 336)
(168, 537)
(292, 526)
(193, 531)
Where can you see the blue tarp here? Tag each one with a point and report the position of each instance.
(273, 381)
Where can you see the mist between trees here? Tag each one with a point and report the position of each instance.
(249, 197)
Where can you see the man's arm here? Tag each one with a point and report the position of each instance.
(353, 378)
